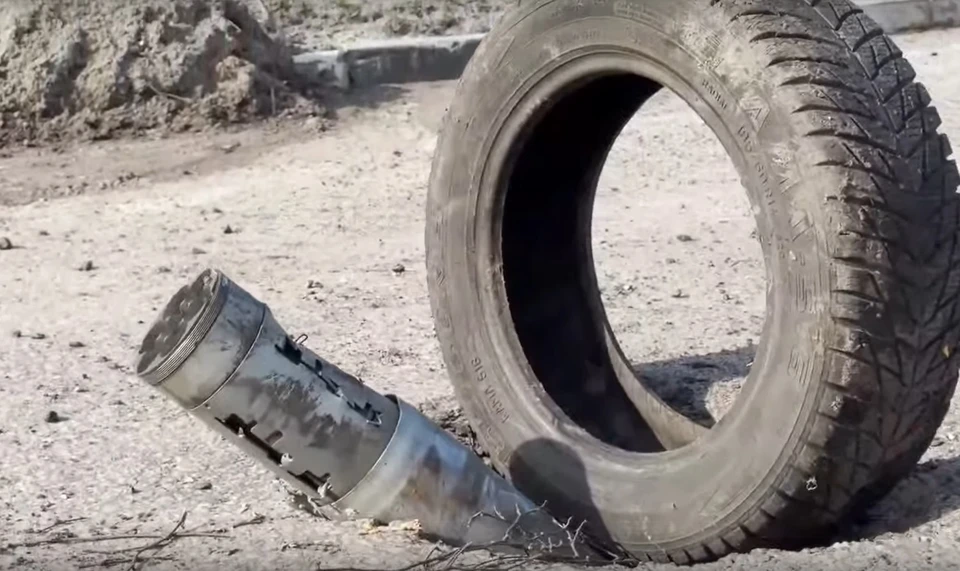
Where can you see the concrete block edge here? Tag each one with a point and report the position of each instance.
(440, 58)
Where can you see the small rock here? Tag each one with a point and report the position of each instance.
(39, 336)
(87, 266)
(934, 54)
(80, 390)
(17, 334)
(163, 270)
(228, 230)
(199, 251)
(53, 417)
(685, 238)
(205, 486)
(5, 244)
(227, 149)
(77, 345)
(671, 261)
(314, 285)
(217, 211)
(679, 294)
(43, 233)
(399, 269)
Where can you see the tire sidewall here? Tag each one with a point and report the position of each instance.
(648, 501)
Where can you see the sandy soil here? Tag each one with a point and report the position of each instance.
(325, 24)
(92, 263)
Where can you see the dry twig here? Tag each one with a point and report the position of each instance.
(256, 520)
(159, 544)
(58, 523)
(519, 548)
(179, 98)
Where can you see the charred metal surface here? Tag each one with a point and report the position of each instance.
(221, 354)
(308, 413)
(425, 474)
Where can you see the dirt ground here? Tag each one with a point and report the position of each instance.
(98, 69)
(104, 233)
(324, 24)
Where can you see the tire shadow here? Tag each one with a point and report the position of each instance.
(363, 97)
(565, 492)
(701, 386)
(929, 493)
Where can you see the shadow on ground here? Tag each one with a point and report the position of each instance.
(931, 492)
(564, 491)
(365, 98)
(691, 384)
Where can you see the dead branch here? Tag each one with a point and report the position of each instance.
(159, 544)
(56, 524)
(519, 548)
(256, 520)
(120, 561)
(156, 90)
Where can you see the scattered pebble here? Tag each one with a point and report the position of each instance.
(77, 345)
(205, 486)
(53, 417)
(39, 336)
(199, 251)
(17, 334)
(216, 210)
(163, 270)
(314, 285)
(671, 261)
(679, 294)
(399, 269)
(5, 244)
(87, 266)
(229, 230)
(685, 238)
(43, 233)
(227, 149)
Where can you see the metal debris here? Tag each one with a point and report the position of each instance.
(220, 353)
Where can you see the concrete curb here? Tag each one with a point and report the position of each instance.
(409, 60)
(403, 60)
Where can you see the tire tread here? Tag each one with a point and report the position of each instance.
(909, 186)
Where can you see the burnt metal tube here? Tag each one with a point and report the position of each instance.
(220, 354)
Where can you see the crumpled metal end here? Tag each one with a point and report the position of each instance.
(220, 354)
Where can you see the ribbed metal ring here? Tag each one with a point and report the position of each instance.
(186, 321)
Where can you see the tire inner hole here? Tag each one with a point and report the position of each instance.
(623, 207)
